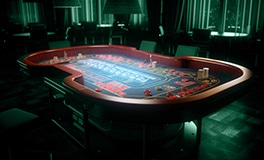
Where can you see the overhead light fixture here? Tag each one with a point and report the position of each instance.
(122, 7)
(67, 4)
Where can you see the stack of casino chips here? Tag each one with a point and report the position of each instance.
(203, 73)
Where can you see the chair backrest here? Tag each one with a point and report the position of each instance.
(15, 117)
(149, 46)
(89, 27)
(36, 26)
(184, 50)
(38, 32)
(59, 44)
(201, 35)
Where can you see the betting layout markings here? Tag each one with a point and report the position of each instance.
(183, 82)
(115, 88)
(123, 73)
(112, 86)
(207, 82)
(131, 73)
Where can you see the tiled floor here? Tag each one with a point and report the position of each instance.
(235, 132)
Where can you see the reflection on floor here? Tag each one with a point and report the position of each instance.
(235, 132)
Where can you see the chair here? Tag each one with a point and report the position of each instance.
(13, 123)
(183, 50)
(77, 35)
(149, 46)
(118, 31)
(167, 39)
(38, 37)
(89, 31)
(201, 38)
(59, 44)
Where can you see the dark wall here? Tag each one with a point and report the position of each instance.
(46, 12)
(3, 12)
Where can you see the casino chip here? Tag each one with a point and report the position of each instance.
(147, 92)
(171, 95)
(158, 88)
(98, 89)
(185, 80)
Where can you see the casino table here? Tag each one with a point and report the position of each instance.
(111, 83)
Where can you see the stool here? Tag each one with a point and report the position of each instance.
(13, 123)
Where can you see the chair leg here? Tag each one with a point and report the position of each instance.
(50, 156)
(85, 40)
(93, 39)
(9, 152)
(42, 151)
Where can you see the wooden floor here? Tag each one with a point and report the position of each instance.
(235, 132)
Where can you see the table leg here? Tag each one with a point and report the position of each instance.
(145, 140)
(199, 132)
(87, 126)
